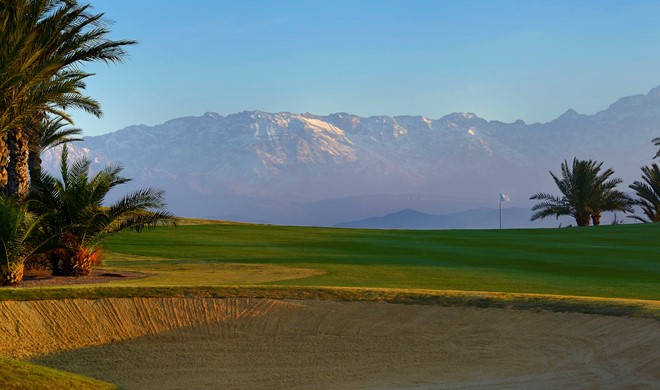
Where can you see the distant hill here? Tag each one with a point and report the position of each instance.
(311, 169)
(404, 219)
(481, 218)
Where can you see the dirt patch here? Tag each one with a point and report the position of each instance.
(167, 343)
(45, 279)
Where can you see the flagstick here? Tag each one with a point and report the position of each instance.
(500, 214)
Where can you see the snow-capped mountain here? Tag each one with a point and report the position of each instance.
(279, 167)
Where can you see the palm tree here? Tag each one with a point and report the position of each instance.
(606, 197)
(648, 192)
(656, 142)
(586, 193)
(42, 45)
(77, 219)
(17, 169)
(19, 239)
(612, 200)
(48, 133)
(574, 186)
(33, 82)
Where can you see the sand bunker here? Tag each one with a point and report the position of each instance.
(175, 343)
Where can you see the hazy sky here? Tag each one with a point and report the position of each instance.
(503, 60)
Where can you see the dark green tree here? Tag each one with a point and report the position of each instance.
(607, 198)
(586, 192)
(648, 194)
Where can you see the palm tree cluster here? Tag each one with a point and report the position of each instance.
(587, 192)
(43, 44)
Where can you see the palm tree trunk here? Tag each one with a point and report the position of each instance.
(595, 217)
(34, 162)
(18, 175)
(4, 162)
(34, 155)
(582, 219)
(67, 262)
(56, 258)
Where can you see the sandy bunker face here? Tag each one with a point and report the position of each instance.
(174, 343)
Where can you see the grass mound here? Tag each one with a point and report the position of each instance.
(19, 375)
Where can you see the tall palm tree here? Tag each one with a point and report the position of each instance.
(77, 218)
(32, 82)
(42, 45)
(586, 193)
(19, 239)
(648, 193)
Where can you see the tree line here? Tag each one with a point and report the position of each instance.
(587, 191)
(62, 222)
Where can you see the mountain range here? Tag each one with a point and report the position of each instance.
(311, 169)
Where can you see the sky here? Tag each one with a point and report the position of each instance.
(502, 60)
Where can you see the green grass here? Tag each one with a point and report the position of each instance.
(19, 375)
(610, 261)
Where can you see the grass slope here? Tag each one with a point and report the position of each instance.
(19, 375)
(610, 261)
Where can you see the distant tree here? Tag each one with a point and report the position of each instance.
(656, 142)
(77, 219)
(574, 201)
(607, 198)
(648, 193)
(586, 193)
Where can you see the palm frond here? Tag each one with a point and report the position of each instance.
(586, 190)
(44, 44)
(648, 193)
(19, 232)
(77, 210)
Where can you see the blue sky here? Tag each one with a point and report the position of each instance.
(503, 60)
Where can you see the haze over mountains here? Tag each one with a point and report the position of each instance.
(478, 218)
(323, 170)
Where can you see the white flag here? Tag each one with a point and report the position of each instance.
(504, 198)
